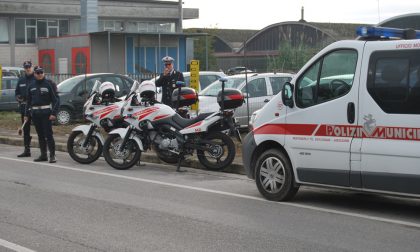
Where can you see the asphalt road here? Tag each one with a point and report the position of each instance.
(72, 207)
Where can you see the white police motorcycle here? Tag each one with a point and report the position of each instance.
(157, 125)
(85, 143)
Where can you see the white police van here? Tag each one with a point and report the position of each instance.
(349, 119)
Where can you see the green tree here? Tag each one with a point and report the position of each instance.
(200, 51)
(291, 58)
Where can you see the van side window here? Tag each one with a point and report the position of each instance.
(394, 81)
(329, 78)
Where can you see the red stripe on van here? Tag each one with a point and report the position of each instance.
(286, 129)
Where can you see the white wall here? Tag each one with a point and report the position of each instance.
(5, 55)
(26, 52)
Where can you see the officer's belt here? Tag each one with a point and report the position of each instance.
(41, 107)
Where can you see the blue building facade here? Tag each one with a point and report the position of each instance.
(144, 53)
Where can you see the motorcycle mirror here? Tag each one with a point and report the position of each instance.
(180, 83)
(223, 79)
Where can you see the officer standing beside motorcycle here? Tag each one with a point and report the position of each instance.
(20, 94)
(168, 79)
(42, 104)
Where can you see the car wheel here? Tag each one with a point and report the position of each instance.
(274, 176)
(63, 116)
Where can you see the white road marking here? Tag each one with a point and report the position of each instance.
(14, 246)
(242, 196)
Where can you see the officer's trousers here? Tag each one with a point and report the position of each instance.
(26, 128)
(43, 127)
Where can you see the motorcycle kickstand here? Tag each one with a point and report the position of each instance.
(178, 167)
(139, 163)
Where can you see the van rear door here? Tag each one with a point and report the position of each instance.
(390, 117)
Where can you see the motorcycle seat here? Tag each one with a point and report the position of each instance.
(183, 122)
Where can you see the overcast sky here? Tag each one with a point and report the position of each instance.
(257, 14)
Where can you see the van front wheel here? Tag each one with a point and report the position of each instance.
(274, 176)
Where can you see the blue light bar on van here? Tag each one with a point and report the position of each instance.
(372, 32)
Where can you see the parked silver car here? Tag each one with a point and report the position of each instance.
(260, 89)
(7, 97)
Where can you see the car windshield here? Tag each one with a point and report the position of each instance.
(214, 88)
(68, 85)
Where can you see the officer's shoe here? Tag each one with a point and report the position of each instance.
(25, 153)
(41, 158)
(52, 159)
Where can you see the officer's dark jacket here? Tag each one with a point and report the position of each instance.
(168, 84)
(42, 92)
(22, 86)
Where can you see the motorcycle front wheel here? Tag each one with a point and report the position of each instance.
(220, 152)
(84, 154)
(121, 159)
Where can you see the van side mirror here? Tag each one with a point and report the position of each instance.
(287, 95)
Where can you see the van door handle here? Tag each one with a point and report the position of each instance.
(266, 100)
(351, 112)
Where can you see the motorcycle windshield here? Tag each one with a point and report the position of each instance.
(134, 87)
(95, 88)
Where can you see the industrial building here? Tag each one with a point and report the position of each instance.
(78, 36)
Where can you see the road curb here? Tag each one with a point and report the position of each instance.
(146, 157)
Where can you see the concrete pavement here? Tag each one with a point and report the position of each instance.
(69, 207)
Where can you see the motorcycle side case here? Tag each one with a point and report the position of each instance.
(233, 98)
(188, 97)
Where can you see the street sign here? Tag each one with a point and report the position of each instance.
(195, 79)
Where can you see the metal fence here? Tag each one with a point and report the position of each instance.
(57, 78)
(256, 98)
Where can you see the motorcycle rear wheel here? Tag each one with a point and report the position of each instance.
(223, 145)
(129, 156)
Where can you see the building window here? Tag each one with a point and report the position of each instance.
(28, 30)
(142, 27)
(63, 27)
(4, 31)
(133, 26)
(109, 25)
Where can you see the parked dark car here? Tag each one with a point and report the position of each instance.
(7, 96)
(74, 92)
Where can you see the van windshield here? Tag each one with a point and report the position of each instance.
(216, 86)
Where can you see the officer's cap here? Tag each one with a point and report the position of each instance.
(167, 60)
(27, 64)
(38, 69)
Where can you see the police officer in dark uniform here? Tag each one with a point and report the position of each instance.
(168, 79)
(20, 94)
(43, 103)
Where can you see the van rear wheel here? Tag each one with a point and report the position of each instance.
(274, 176)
